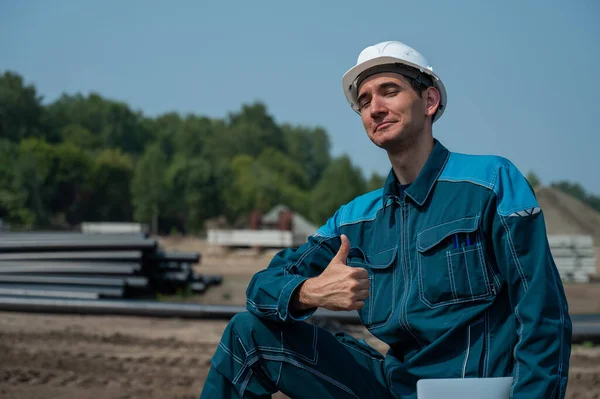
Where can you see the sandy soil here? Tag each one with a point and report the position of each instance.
(85, 357)
(69, 357)
(62, 356)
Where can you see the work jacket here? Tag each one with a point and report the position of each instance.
(462, 281)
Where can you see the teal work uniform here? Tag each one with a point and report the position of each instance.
(462, 285)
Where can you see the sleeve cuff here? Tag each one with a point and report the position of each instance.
(284, 301)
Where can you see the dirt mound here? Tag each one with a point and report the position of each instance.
(565, 214)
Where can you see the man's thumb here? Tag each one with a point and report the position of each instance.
(344, 249)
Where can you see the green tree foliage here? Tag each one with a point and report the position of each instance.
(20, 109)
(533, 179)
(12, 196)
(109, 189)
(53, 180)
(191, 192)
(148, 186)
(309, 148)
(252, 129)
(341, 182)
(285, 169)
(112, 124)
(375, 182)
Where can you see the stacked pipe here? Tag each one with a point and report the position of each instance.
(94, 266)
(575, 257)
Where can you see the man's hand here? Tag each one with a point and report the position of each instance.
(339, 287)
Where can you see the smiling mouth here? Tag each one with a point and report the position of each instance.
(383, 125)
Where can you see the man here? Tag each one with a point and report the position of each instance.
(448, 264)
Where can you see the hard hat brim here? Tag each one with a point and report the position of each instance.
(352, 74)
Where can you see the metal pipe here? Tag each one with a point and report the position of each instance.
(76, 245)
(88, 280)
(27, 292)
(29, 267)
(64, 235)
(141, 308)
(60, 291)
(585, 327)
(189, 257)
(61, 255)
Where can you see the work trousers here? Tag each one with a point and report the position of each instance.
(257, 358)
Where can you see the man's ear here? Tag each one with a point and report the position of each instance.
(432, 101)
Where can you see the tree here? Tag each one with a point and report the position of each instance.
(253, 187)
(309, 148)
(288, 177)
(375, 182)
(251, 130)
(193, 196)
(20, 109)
(109, 195)
(79, 136)
(162, 131)
(13, 206)
(112, 123)
(68, 184)
(288, 171)
(31, 170)
(533, 179)
(190, 138)
(53, 180)
(341, 182)
(148, 188)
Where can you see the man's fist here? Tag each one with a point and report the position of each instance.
(339, 287)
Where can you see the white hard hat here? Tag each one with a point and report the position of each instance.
(386, 53)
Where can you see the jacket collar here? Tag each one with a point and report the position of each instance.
(419, 189)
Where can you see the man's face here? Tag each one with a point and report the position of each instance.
(392, 112)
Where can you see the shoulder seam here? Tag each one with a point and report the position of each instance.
(507, 212)
(364, 219)
(345, 210)
(488, 183)
(468, 180)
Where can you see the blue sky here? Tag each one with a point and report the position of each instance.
(520, 75)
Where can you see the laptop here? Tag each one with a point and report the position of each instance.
(464, 388)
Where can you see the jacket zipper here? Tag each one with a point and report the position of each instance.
(406, 272)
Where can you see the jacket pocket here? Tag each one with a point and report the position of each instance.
(381, 302)
(360, 347)
(451, 265)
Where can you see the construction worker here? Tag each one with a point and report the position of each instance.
(448, 264)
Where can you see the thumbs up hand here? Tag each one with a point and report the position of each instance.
(338, 287)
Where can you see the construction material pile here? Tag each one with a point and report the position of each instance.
(94, 266)
(575, 257)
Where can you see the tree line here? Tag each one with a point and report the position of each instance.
(88, 158)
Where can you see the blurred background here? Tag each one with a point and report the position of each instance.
(165, 151)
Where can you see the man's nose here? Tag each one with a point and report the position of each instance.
(377, 108)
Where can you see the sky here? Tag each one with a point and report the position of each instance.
(520, 75)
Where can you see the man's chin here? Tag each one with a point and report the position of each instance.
(391, 144)
(386, 141)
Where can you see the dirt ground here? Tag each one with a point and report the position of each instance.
(90, 357)
(93, 357)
